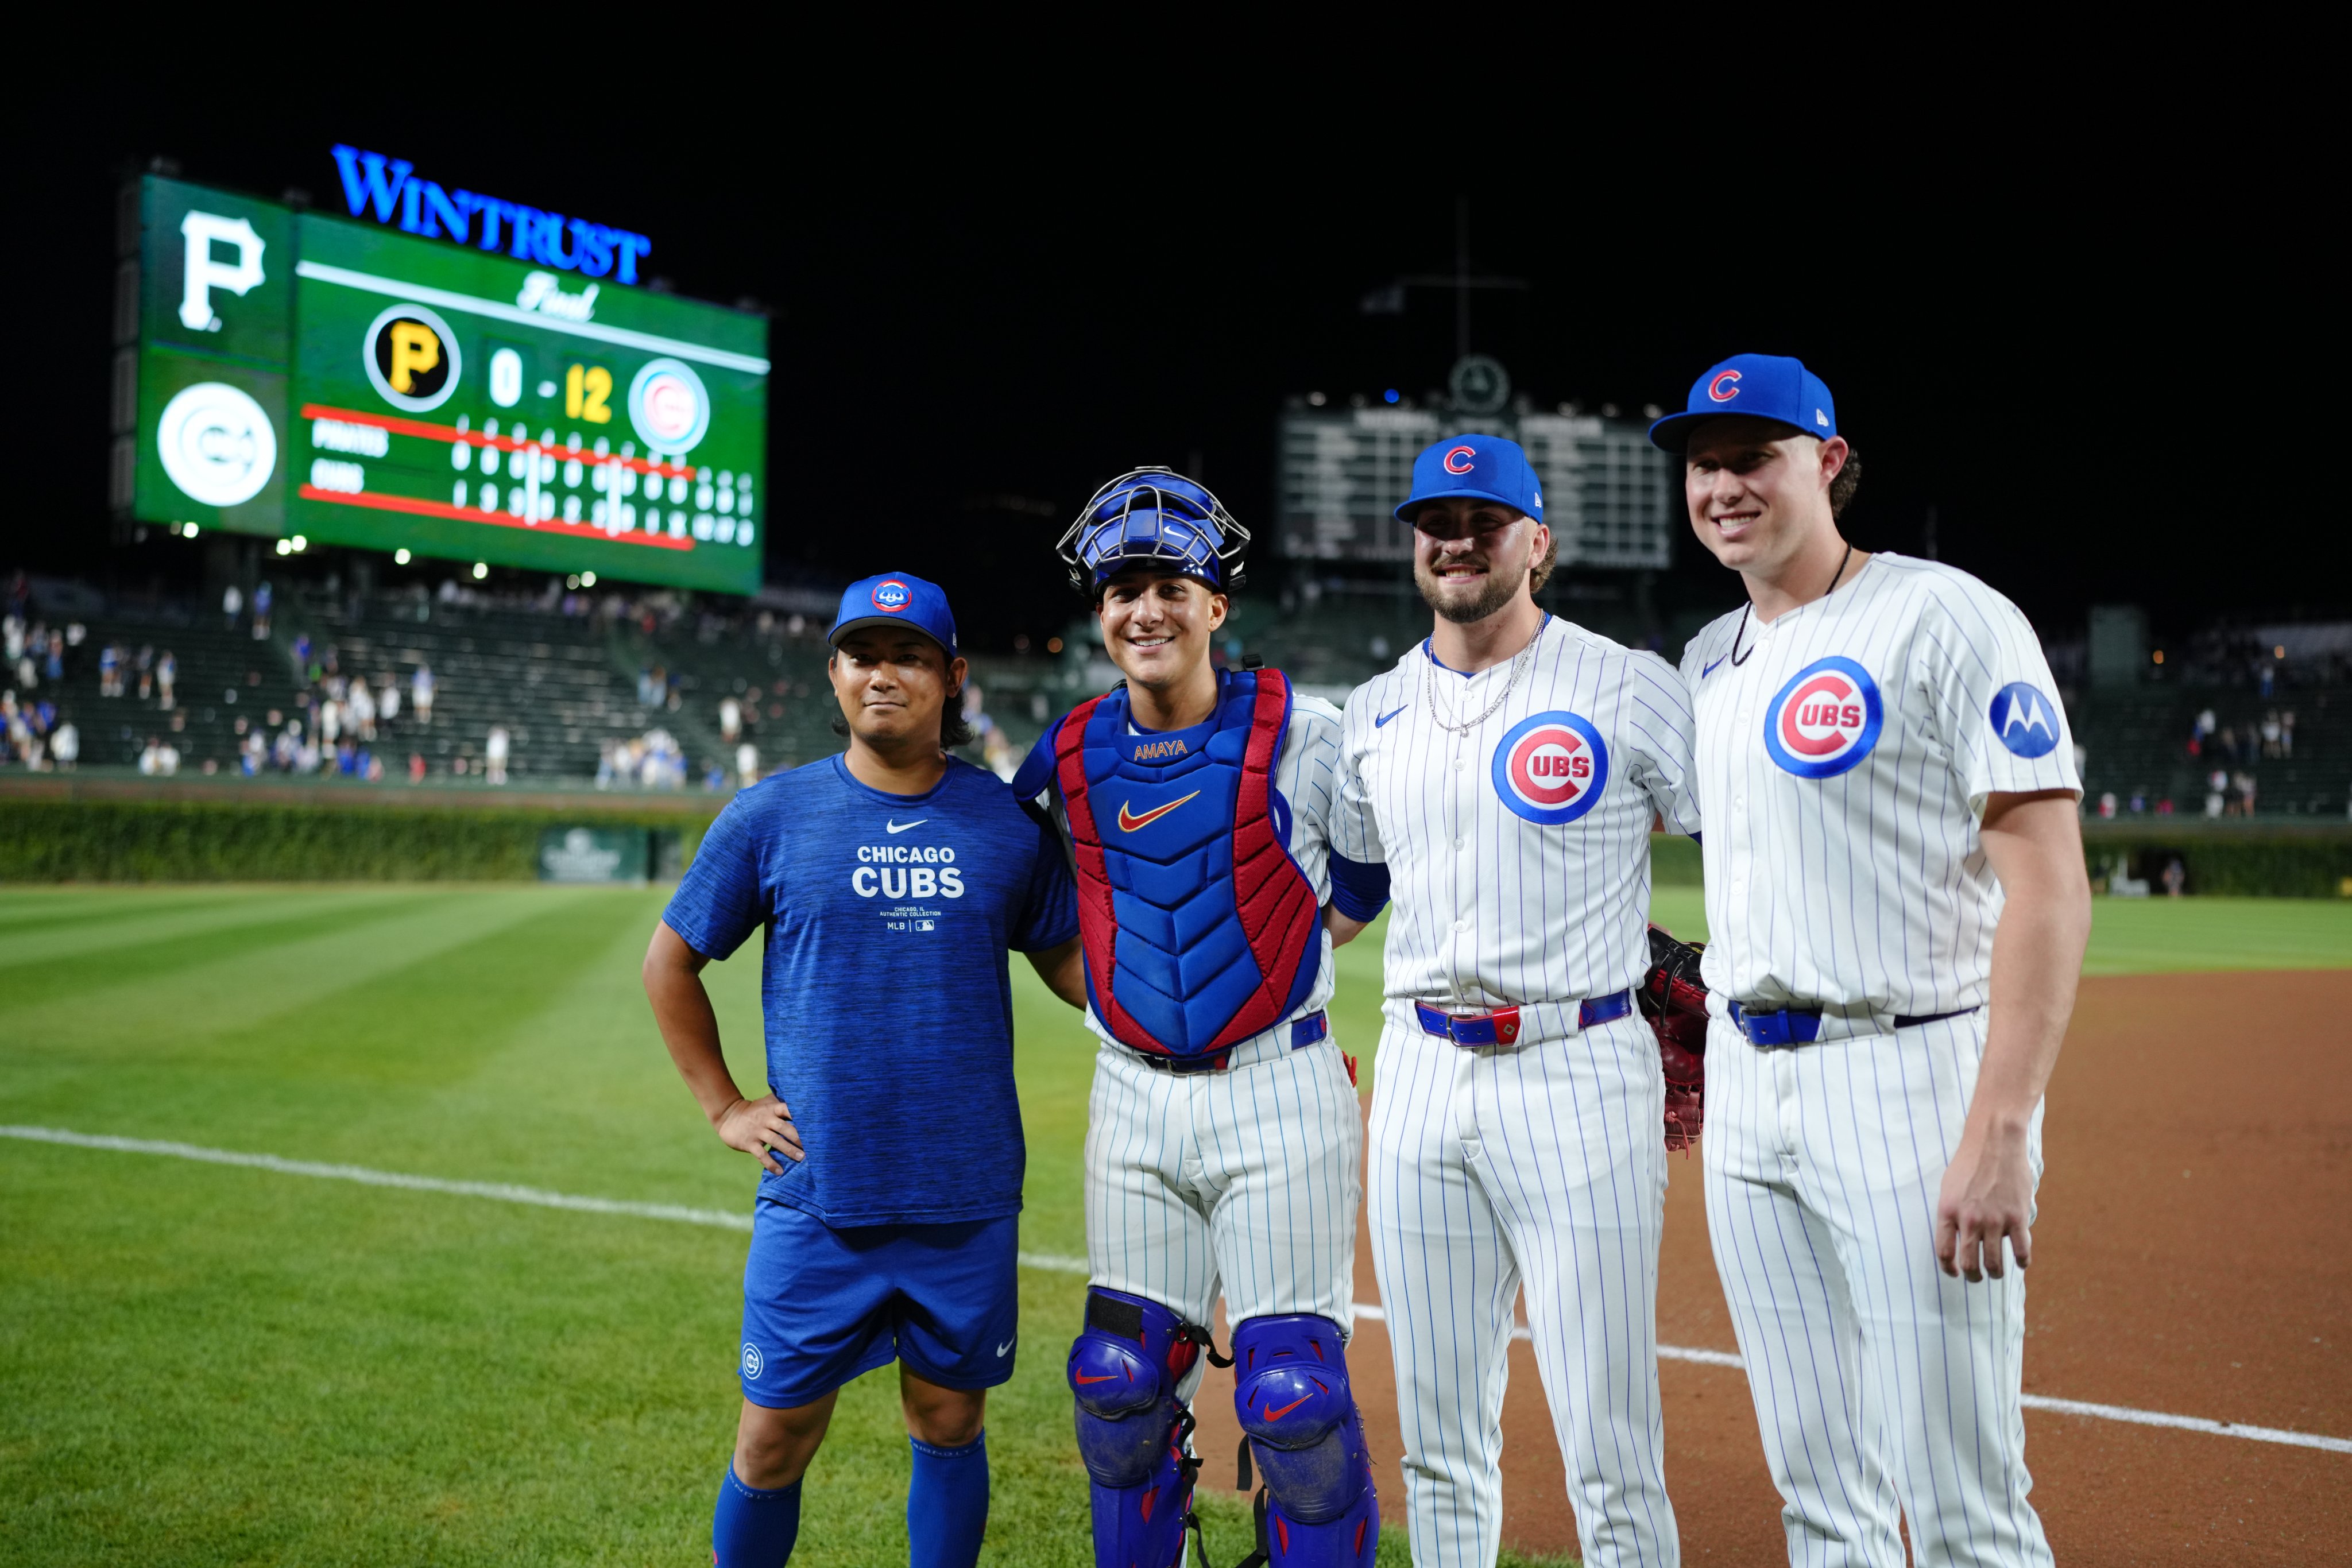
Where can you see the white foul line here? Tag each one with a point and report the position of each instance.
(722, 1220)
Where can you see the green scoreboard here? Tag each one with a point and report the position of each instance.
(300, 376)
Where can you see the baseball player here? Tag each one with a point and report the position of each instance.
(1223, 1139)
(1504, 778)
(1898, 909)
(891, 881)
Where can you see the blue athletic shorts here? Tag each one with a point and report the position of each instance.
(822, 1306)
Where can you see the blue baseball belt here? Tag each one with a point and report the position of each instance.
(1502, 1026)
(1301, 1032)
(1800, 1023)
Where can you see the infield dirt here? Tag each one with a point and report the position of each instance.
(2193, 1256)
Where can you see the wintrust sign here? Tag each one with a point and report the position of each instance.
(388, 190)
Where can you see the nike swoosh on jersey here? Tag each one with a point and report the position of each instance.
(1274, 1415)
(1130, 822)
(902, 827)
(1384, 719)
(1707, 670)
(1106, 1377)
(1006, 1348)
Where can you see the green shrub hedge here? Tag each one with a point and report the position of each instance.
(212, 841)
(2243, 864)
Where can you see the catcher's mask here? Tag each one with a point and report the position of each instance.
(1153, 517)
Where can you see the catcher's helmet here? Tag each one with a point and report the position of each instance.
(1153, 517)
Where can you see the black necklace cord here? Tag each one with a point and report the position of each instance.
(1738, 658)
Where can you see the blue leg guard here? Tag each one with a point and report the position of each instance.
(1132, 1429)
(1290, 1388)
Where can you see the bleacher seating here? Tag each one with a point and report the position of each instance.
(2136, 740)
(223, 675)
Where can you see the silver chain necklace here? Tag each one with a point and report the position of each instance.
(1519, 663)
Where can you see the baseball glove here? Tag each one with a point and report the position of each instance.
(1673, 998)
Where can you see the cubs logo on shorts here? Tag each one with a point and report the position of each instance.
(1551, 768)
(2026, 721)
(891, 596)
(1825, 720)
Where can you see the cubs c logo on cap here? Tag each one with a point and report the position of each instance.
(1724, 387)
(1551, 768)
(2026, 721)
(891, 596)
(1825, 720)
(1457, 461)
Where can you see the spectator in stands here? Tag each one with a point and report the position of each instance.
(416, 768)
(730, 720)
(330, 720)
(605, 751)
(231, 605)
(363, 709)
(494, 752)
(167, 672)
(110, 671)
(347, 757)
(2271, 734)
(301, 658)
(2286, 734)
(55, 667)
(65, 746)
(387, 699)
(12, 637)
(2216, 783)
(150, 760)
(260, 611)
(2176, 877)
(2107, 805)
(2227, 742)
(146, 671)
(420, 694)
(254, 755)
(2245, 786)
(746, 764)
(2266, 676)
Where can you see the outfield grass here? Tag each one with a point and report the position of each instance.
(201, 1364)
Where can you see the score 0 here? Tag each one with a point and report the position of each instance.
(587, 389)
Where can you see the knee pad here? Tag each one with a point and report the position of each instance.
(1125, 1369)
(1290, 1390)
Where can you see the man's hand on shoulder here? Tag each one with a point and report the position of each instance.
(758, 1127)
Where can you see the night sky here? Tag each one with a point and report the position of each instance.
(2077, 359)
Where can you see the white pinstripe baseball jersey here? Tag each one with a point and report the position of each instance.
(1519, 857)
(1844, 754)
(1517, 852)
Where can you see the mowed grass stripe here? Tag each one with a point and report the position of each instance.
(2164, 935)
(135, 939)
(42, 909)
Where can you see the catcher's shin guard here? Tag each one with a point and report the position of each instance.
(1290, 1387)
(1133, 1431)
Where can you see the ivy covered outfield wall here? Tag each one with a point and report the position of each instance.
(163, 835)
(2259, 859)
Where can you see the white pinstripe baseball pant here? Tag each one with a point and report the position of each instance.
(1879, 1381)
(1244, 1181)
(1541, 1165)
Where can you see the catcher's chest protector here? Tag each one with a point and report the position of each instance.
(1200, 929)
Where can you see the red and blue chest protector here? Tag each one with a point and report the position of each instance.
(1200, 928)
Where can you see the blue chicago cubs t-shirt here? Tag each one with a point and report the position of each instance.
(889, 1006)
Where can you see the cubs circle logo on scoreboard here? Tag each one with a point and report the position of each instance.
(2026, 721)
(215, 444)
(669, 406)
(1551, 768)
(892, 596)
(412, 357)
(1825, 720)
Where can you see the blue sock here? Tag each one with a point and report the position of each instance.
(754, 1529)
(947, 1504)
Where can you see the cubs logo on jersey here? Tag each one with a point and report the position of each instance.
(1825, 720)
(1551, 767)
(2026, 721)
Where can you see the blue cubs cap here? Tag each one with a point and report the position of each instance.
(1761, 386)
(896, 599)
(1474, 467)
